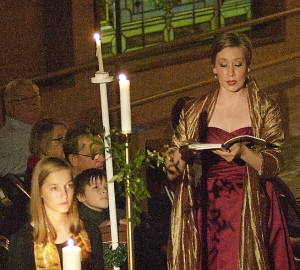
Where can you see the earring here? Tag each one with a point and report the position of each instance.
(216, 76)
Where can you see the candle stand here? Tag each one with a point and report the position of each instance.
(130, 245)
(103, 78)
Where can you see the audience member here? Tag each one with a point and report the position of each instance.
(46, 139)
(91, 192)
(54, 220)
(22, 106)
(84, 149)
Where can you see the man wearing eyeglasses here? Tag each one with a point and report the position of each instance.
(22, 106)
(84, 149)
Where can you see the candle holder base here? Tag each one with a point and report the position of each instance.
(102, 77)
(126, 133)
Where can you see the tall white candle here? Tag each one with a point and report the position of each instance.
(99, 52)
(71, 256)
(125, 104)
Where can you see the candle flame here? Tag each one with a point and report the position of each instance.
(122, 77)
(97, 36)
(70, 242)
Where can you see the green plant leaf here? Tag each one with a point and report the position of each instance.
(133, 171)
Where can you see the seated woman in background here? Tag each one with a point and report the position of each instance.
(45, 140)
(54, 220)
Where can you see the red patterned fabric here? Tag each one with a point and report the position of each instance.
(224, 185)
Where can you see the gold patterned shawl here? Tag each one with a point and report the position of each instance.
(266, 124)
(46, 256)
(183, 241)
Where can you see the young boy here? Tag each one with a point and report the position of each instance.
(91, 192)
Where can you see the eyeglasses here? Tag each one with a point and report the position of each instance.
(58, 140)
(27, 99)
(93, 156)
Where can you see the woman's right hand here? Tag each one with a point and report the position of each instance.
(174, 164)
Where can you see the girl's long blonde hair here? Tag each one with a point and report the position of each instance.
(42, 226)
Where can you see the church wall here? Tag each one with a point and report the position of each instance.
(23, 56)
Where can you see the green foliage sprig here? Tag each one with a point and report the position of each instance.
(116, 257)
(134, 170)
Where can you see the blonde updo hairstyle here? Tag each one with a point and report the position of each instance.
(226, 40)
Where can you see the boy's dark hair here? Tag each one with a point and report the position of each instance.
(86, 178)
(70, 144)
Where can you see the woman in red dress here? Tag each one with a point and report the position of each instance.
(238, 223)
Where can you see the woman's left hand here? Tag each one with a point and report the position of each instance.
(235, 151)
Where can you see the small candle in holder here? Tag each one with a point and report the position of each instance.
(71, 256)
(125, 104)
(99, 52)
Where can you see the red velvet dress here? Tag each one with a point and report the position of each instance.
(220, 211)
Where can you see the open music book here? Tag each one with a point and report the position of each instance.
(248, 139)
